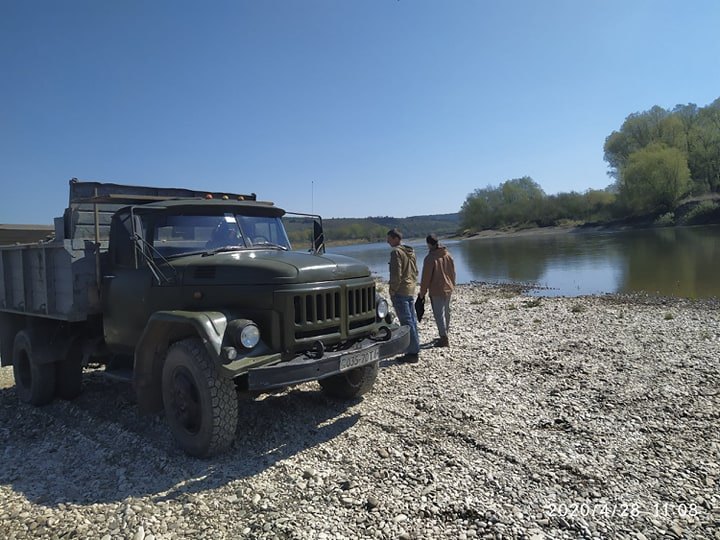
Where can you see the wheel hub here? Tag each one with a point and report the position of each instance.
(186, 402)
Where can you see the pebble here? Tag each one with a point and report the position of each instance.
(528, 410)
(677, 530)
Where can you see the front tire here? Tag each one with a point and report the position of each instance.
(201, 407)
(351, 384)
(34, 382)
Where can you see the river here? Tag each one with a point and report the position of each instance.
(673, 261)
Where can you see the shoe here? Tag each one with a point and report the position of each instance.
(410, 358)
(442, 342)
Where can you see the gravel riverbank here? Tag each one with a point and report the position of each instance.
(591, 417)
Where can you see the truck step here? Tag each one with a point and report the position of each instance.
(125, 375)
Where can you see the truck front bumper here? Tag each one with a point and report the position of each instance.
(303, 369)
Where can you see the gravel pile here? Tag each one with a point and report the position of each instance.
(591, 417)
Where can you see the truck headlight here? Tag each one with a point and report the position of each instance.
(249, 336)
(381, 308)
(245, 333)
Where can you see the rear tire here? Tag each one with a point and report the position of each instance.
(34, 382)
(351, 384)
(201, 406)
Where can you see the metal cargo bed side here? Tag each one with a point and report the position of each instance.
(59, 279)
(48, 280)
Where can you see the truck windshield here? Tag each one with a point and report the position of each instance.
(182, 234)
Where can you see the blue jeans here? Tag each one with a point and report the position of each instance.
(405, 309)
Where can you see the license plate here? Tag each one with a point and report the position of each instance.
(353, 360)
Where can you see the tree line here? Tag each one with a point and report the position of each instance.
(665, 165)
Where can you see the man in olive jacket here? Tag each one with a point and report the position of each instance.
(438, 278)
(403, 280)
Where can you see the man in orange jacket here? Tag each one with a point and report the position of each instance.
(438, 278)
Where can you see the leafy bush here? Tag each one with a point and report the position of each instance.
(665, 220)
(654, 178)
(701, 213)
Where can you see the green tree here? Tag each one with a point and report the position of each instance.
(638, 131)
(687, 116)
(479, 211)
(600, 204)
(521, 200)
(571, 205)
(692, 130)
(654, 179)
(514, 201)
(704, 160)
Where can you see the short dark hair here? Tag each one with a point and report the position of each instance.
(394, 233)
(431, 239)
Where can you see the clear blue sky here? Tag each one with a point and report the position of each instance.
(349, 108)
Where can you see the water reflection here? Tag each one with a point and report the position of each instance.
(677, 261)
(672, 261)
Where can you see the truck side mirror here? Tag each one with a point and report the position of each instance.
(122, 245)
(318, 237)
(139, 241)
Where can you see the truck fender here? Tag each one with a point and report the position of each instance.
(162, 330)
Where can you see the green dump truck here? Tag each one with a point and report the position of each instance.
(194, 296)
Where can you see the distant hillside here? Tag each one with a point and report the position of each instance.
(24, 234)
(374, 229)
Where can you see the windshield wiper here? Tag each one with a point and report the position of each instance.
(185, 254)
(222, 249)
(270, 245)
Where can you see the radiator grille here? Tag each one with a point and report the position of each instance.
(361, 300)
(313, 308)
(336, 310)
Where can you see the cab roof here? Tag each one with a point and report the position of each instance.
(201, 206)
(116, 196)
(105, 192)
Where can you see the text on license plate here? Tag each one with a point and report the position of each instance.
(353, 360)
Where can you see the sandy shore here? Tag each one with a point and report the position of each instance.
(590, 417)
(535, 231)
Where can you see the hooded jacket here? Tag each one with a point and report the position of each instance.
(438, 273)
(403, 271)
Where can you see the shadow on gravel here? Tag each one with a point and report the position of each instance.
(99, 449)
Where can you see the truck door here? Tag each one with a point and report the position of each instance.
(127, 284)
